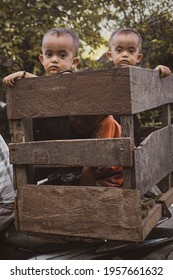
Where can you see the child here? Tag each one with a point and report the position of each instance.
(125, 47)
(59, 54)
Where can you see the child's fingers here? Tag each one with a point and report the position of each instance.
(4, 80)
(11, 82)
(8, 81)
(164, 70)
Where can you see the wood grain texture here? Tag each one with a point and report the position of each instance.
(152, 159)
(99, 92)
(166, 120)
(148, 90)
(127, 124)
(84, 93)
(90, 152)
(96, 212)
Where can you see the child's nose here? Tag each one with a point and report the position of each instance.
(125, 54)
(55, 58)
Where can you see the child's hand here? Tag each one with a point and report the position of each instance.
(164, 70)
(10, 79)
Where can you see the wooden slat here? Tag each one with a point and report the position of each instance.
(16, 127)
(148, 90)
(153, 159)
(105, 91)
(84, 93)
(166, 182)
(127, 125)
(19, 135)
(88, 152)
(96, 212)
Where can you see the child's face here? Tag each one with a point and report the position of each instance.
(58, 54)
(125, 50)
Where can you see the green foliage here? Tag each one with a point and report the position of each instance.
(150, 118)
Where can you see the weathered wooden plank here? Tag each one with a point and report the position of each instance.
(84, 93)
(148, 90)
(166, 182)
(105, 91)
(20, 175)
(127, 124)
(19, 135)
(166, 114)
(96, 212)
(17, 131)
(88, 152)
(153, 159)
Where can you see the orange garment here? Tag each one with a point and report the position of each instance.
(111, 176)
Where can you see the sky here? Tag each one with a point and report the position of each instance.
(97, 53)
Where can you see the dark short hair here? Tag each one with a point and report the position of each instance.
(64, 31)
(127, 31)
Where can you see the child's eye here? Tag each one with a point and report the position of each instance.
(118, 50)
(48, 54)
(132, 50)
(63, 54)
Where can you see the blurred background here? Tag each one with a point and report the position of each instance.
(23, 23)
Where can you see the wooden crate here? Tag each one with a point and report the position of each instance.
(91, 212)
